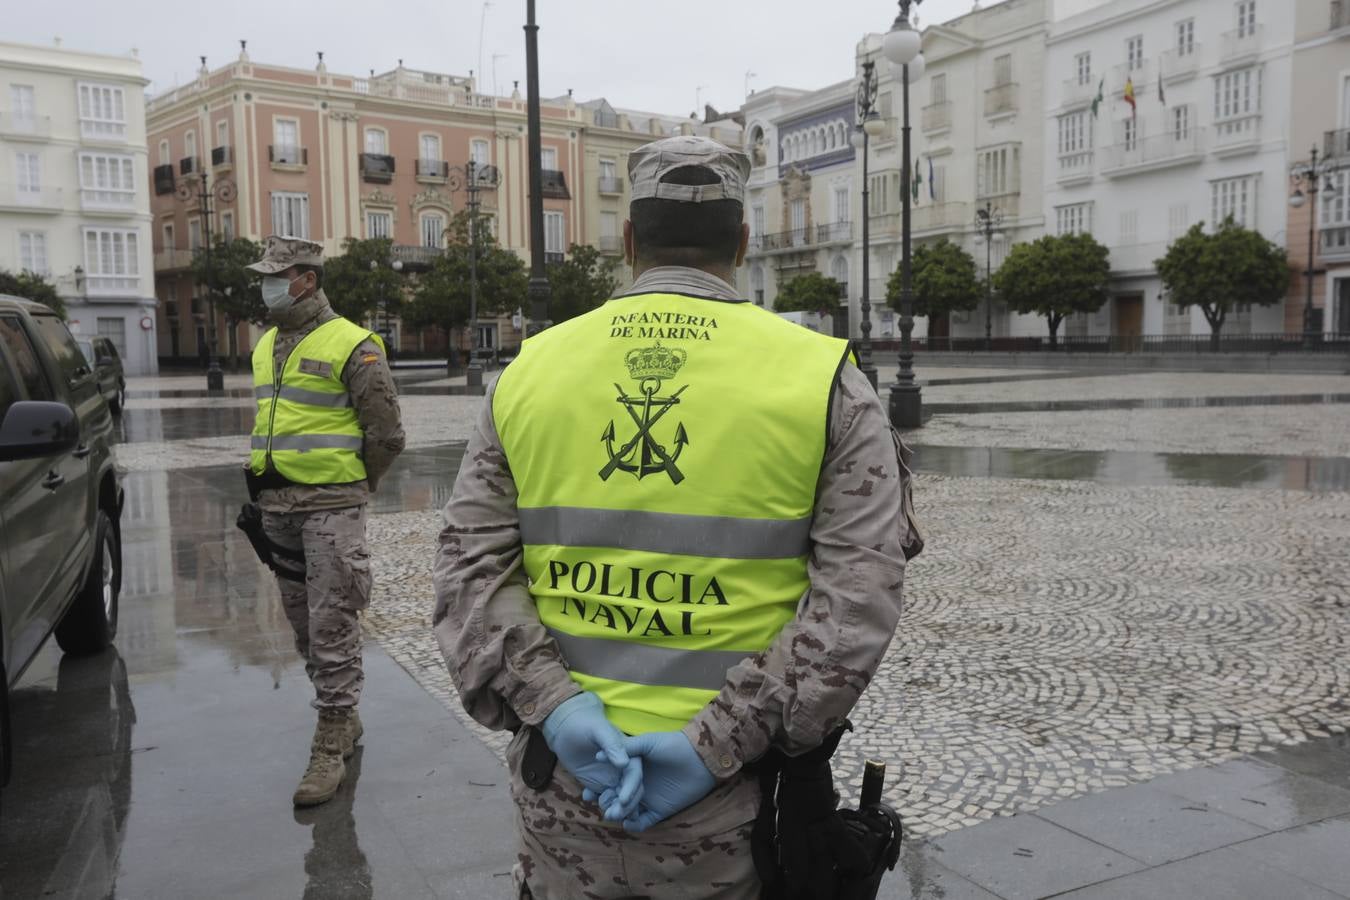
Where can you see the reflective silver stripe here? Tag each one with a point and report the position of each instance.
(314, 398)
(262, 391)
(646, 664)
(716, 536)
(309, 442)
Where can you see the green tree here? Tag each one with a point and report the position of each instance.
(579, 284)
(944, 280)
(1055, 276)
(32, 286)
(359, 291)
(812, 292)
(1219, 271)
(234, 288)
(441, 298)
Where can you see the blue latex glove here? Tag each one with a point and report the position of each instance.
(673, 778)
(591, 748)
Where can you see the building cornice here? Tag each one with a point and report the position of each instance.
(1104, 22)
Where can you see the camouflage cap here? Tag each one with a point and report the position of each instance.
(282, 252)
(649, 164)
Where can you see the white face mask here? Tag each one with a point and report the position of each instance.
(276, 293)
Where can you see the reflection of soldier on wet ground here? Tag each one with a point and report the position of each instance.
(335, 867)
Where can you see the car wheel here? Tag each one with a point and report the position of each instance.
(91, 622)
(118, 401)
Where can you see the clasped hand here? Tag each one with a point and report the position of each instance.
(638, 781)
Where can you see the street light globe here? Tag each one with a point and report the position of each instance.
(874, 125)
(374, 264)
(902, 43)
(856, 138)
(979, 239)
(398, 265)
(917, 65)
(999, 237)
(1296, 201)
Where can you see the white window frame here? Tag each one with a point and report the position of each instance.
(165, 153)
(1185, 34)
(23, 106)
(480, 151)
(111, 260)
(1246, 18)
(1178, 220)
(222, 132)
(107, 180)
(997, 170)
(609, 224)
(1075, 133)
(1129, 227)
(1073, 218)
(1237, 94)
(1134, 53)
(102, 110)
(190, 144)
(166, 236)
(1181, 122)
(27, 176)
(1129, 133)
(609, 168)
(1235, 196)
(429, 147)
(1082, 67)
(431, 227)
(376, 140)
(290, 213)
(288, 153)
(555, 231)
(379, 223)
(33, 252)
(1003, 70)
(227, 232)
(843, 197)
(937, 88)
(797, 220)
(757, 220)
(194, 233)
(548, 158)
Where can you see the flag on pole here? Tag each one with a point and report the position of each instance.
(1162, 98)
(1129, 97)
(931, 188)
(1097, 100)
(918, 180)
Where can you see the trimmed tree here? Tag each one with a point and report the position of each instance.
(1055, 276)
(1221, 270)
(580, 283)
(812, 292)
(441, 298)
(356, 290)
(32, 286)
(944, 280)
(234, 288)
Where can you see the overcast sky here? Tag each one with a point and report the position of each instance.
(625, 50)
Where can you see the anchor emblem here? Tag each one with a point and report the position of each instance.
(643, 454)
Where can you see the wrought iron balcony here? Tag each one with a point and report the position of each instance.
(287, 155)
(415, 258)
(164, 179)
(222, 156)
(1000, 99)
(611, 245)
(1237, 134)
(437, 170)
(173, 260)
(554, 185)
(1337, 143)
(830, 232)
(937, 116)
(189, 164)
(1154, 152)
(553, 257)
(377, 168)
(610, 184)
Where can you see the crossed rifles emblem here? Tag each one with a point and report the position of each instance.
(642, 454)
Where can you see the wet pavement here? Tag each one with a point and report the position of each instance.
(1121, 674)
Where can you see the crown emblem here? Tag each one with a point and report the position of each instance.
(654, 362)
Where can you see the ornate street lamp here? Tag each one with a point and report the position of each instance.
(869, 125)
(538, 290)
(198, 186)
(386, 332)
(473, 178)
(1311, 179)
(988, 221)
(901, 46)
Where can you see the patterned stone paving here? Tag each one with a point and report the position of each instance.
(1060, 638)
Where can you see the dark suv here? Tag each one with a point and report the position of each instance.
(60, 499)
(107, 363)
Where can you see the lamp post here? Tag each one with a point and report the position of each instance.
(869, 124)
(1309, 180)
(473, 178)
(988, 221)
(386, 332)
(538, 289)
(901, 46)
(204, 192)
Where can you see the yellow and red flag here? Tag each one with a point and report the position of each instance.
(1129, 97)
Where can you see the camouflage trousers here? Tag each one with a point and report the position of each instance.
(324, 612)
(568, 851)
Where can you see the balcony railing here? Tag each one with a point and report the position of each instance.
(287, 155)
(829, 232)
(173, 260)
(189, 164)
(96, 199)
(554, 257)
(377, 168)
(432, 169)
(1000, 99)
(1336, 241)
(25, 127)
(611, 244)
(810, 236)
(112, 284)
(1140, 75)
(1154, 152)
(1336, 143)
(415, 257)
(611, 184)
(164, 179)
(103, 130)
(42, 199)
(1077, 90)
(1073, 166)
(554, 185)
(222, 156)
(937, 116)
(1236, 132)
(1241, 43)
(1177, 64)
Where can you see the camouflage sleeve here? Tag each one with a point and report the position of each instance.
(375, 399)
(793, 694)
(504, 664)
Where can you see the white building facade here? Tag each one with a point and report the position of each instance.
(1205, 139)
(74, 192)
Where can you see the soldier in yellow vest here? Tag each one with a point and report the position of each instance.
(328, 428)
(676, 542)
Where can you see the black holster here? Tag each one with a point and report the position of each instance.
(285, 562)
(804, 846)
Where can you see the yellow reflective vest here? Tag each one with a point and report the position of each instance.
(306, 426)
(666, 450)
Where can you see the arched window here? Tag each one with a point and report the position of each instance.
(757, 284)
(377, 141)
(839, 272)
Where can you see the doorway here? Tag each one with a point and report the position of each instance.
(1128, 325)
(1341, 301)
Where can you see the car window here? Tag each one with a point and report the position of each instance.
(87, 349)
(62, 344)
(9, 391)
(24, 359)
(109, 350)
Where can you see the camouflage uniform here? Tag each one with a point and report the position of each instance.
(329, 521)
(510, 672)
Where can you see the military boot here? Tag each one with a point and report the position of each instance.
(333, 740)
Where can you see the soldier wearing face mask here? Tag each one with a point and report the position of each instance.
(328, 428)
